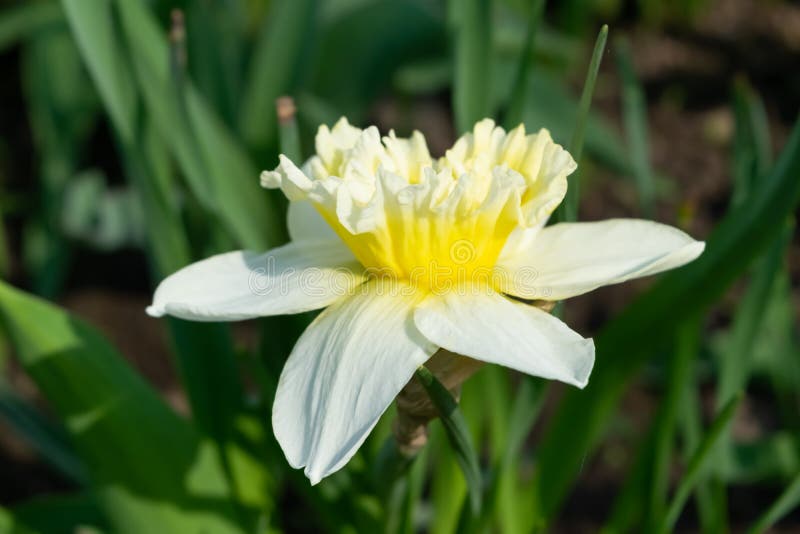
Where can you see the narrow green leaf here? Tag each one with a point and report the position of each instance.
(692, 430)
(92, 25)
(634, 111)
(472, 47)
(735, 364)
(274, 66)
(457, 432)
(519, 95)
(788, 501)
(679, 375)
(558, 109)
(576, 142)
(629, 339)
(569, 208)
(448, 488)
(700, 460)
(147, 466)
(217, 37)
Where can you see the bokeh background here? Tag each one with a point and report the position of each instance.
(123, 158)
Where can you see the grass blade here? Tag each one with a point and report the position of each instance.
(569, 209)
(457, 433)
(472, 47)
(699, 460)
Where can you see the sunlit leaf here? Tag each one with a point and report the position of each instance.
(146, 465)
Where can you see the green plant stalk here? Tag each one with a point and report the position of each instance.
(457, 432)
(288, 132)
(569, 212)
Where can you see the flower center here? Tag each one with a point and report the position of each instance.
(433, 223)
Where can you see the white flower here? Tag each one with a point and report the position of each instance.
(410, 254)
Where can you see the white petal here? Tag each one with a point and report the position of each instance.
(487, 326)
(569, 259)
(306, 224)
(344, 372)
(241, 285)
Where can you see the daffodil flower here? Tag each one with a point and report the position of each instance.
(408, 254)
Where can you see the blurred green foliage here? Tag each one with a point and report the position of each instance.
(178, 180)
